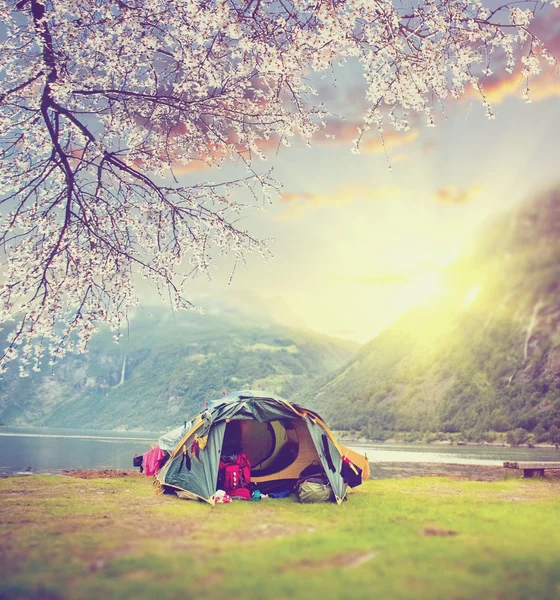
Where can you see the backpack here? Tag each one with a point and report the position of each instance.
(233, 475)
(315, 468)
(241, 494)
(313, 485)
(310, 491)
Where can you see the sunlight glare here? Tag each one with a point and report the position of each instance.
(423, 287)
(471, 295)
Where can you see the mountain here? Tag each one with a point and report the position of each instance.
(482, 359)
(167, 368)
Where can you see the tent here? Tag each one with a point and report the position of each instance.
(280, 439)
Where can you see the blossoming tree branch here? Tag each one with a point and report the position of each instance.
(101, 101)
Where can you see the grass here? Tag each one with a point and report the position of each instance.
(63, 537)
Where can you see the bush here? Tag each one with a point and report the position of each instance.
(554, 435)
(517, 436)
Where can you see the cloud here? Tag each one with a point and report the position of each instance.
(215, 157)
(546, 85)
(343, 134)
(337, 132)
(392, 139)
(299, 203)
(541, 87)
(451, 195)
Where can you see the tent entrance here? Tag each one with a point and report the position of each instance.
(271, 446)
(277, 450)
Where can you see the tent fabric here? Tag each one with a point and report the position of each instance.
(289, 438)
(306, 454)
(169, 440)
(284, 450)
(266, 444)
(332, 464)
(201, 475)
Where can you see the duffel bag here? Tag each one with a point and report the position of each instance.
(309, 492)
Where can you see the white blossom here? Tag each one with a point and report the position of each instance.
(101, 101)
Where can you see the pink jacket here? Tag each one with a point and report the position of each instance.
(153, 460)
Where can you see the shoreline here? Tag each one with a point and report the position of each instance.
(342, 439)
(379, 471)
(460, 472)
(389, 443)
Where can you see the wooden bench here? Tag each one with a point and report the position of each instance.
(532, 468)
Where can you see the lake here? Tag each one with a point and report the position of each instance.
(47, 449)
(460, 455)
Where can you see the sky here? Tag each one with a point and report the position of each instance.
(355, 243)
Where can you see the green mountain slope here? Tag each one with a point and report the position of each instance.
(167, 368)
(483, 357)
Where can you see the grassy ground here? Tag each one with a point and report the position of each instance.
(63, 537)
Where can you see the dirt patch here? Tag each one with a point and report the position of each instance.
(351, 562)
(403, 470)
(436, 531)
(101, 473)
(457, 472)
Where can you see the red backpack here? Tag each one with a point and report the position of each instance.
(236, 474)
(232, 477)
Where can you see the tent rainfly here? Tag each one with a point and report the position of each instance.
(279, 438)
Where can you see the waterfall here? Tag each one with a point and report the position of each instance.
(123, 371)
(531, 327)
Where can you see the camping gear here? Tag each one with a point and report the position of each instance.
(241, 494)
(274, 487)
(351, 473)
(232, 477)
(220, 497)
(153, 460)
(280, 494)
(245, 468)
(315, 468)
(137, 462)
(234, 474)
(312, 474)
(278, 440)
(310, 491)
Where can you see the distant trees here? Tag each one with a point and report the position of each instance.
(499, 421)
(517, 436)
(554, 435)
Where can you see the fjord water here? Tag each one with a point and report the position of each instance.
(47, 449)
(459, 455)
